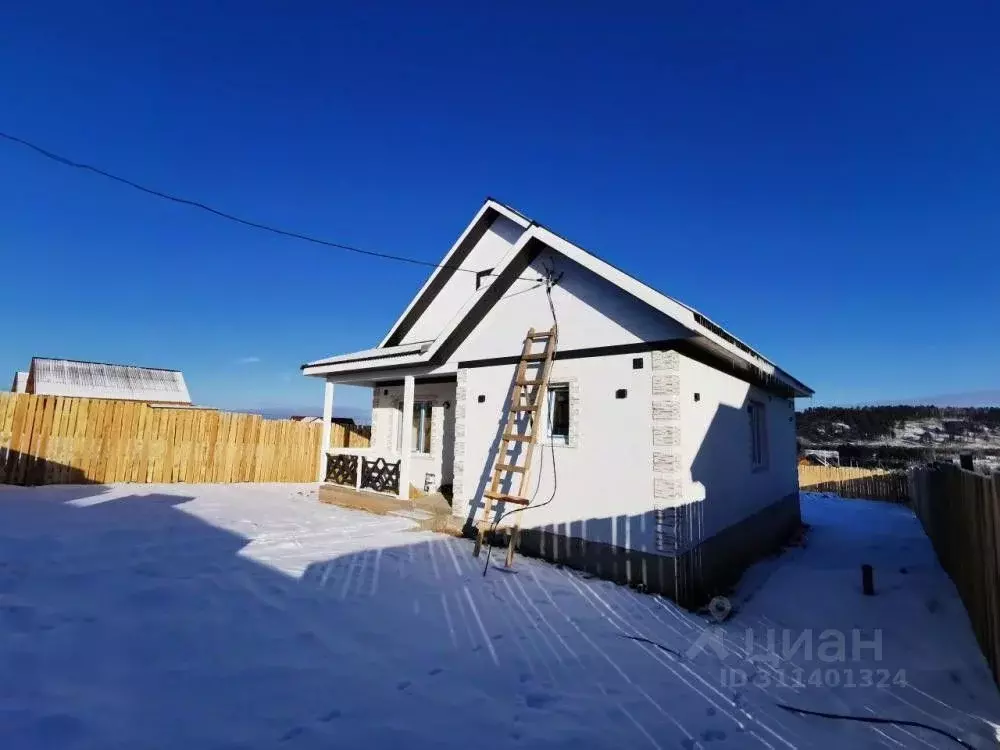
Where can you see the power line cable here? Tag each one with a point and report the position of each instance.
(232, 217)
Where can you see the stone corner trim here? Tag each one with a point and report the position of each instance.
(459, 503)
(672, 532)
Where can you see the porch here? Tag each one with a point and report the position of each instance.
(409, 456)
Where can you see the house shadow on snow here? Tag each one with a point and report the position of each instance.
(127, 620)
(21, 468)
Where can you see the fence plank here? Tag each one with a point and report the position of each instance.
(25, 439)
(87, 443)
(138, 467)
(72, 413)
(160, 444)
(16, 426)
(7, 404)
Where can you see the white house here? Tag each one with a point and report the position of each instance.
(670, 453)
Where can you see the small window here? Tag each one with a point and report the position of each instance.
(421, 426)
(758, 435)
(558, 412)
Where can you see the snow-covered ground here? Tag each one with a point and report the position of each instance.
(252, 616)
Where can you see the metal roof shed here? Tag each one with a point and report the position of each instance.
(66, 377)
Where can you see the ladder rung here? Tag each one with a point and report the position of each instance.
(510, 467)
(544, 335)
(523, 407)
(500, 497)
(519, 438)
(534, 357)
(529, 382)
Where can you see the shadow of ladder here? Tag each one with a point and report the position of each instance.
(526, 398)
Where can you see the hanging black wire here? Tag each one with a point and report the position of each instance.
(228, 216)
(550, 280)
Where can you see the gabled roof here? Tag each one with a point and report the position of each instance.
(707, 333)
(451, 264)
(67, 377)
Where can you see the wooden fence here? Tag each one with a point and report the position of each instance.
(853, 481)
(960, 511)
(58, 440)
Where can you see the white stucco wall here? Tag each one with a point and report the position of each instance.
(604, 478)
(717, 475)
(591, 312)
(487, 253)
(385, 424)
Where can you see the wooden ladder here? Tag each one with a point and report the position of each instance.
(526, 398)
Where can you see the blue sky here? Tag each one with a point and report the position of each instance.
(820, 178)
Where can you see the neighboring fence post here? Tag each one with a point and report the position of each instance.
(324, 443)
(406, 444)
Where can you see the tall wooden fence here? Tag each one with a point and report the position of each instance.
(57, 440)
(960, 511)
(854, 481)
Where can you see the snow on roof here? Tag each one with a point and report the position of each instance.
(20, 384)
(66, 377)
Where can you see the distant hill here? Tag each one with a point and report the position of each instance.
(824, 424)
(969, 398)
(901, 434)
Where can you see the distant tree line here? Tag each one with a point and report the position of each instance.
(834, 424)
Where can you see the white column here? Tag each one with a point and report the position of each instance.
(324, 443)
(406, 444)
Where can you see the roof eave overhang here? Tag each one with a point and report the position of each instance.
(365, 365)
(762, 373)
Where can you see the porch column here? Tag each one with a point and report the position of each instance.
(406, 442)
(324, 443)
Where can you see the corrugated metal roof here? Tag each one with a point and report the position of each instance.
(66, 377)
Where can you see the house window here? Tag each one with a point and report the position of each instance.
(420, 438)
(558, 413)
(758, 435)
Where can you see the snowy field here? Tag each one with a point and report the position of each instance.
(252, 616)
